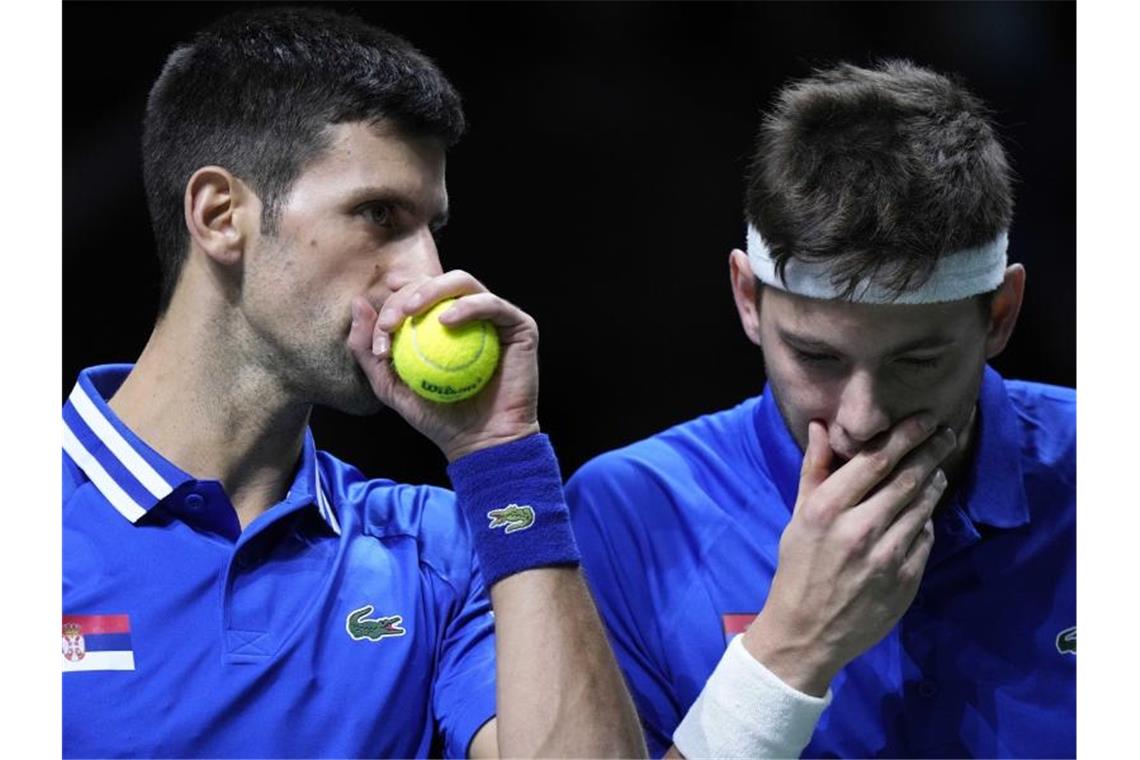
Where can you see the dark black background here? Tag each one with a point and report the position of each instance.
(599, 186)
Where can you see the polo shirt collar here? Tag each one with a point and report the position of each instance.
(131, 475)
(782, 454)
(993, 490)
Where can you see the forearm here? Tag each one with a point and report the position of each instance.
(560, 692)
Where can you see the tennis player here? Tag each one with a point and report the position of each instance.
(875, 557)
(230, 590)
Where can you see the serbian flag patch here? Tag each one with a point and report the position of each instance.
(97, 642)
(734, 623)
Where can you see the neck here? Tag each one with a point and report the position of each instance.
(213, 416)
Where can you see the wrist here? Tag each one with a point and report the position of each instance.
(461, 446)
(744, 710)
(512, 499)
(805, 665)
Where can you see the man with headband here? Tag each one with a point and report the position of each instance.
(875, 557)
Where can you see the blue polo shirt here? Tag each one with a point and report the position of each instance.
(348, 620)
(680, 534)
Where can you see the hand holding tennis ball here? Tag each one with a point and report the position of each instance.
(441, 363)
(446, 338)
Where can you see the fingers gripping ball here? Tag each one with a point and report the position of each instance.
(441, 363)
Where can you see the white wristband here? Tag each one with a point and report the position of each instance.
(745, 710)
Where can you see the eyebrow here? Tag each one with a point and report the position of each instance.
(804, 342)
(919, 344)
(401, 200)
(813, 345)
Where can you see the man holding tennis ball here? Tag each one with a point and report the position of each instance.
(229, 589)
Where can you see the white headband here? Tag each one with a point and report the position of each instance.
(957, 275)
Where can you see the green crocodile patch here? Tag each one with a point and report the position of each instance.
(513, 516)
(360, 627)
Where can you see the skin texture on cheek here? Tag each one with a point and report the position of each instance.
(297, 326)
(866, 386)
(799, 404)
(952, 399)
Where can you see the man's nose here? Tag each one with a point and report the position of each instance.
(862, 415)
(417, 257)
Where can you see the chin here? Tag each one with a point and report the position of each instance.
(357, 399)
(347, 391)
(358, 407)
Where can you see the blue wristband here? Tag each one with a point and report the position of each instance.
(512, 497)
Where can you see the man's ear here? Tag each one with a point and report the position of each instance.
(219, 209)
(1004, 309)
(744, 293)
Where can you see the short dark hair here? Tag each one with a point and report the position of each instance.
(255, 93)
(879, 171)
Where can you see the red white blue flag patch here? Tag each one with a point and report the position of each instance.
(97, 642)
(736, 622)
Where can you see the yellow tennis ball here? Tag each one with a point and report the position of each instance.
(443, 363)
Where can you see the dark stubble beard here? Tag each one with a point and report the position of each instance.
(340, 383)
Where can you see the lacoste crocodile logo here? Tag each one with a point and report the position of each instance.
(360, 627)
(513, 516)
(1067, 641)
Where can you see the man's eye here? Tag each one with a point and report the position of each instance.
(917, 362)
(379, 213)
(813, 358)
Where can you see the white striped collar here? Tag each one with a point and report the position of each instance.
(324, 505)
(134, 477)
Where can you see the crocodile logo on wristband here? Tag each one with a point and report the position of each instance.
(513, 516)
